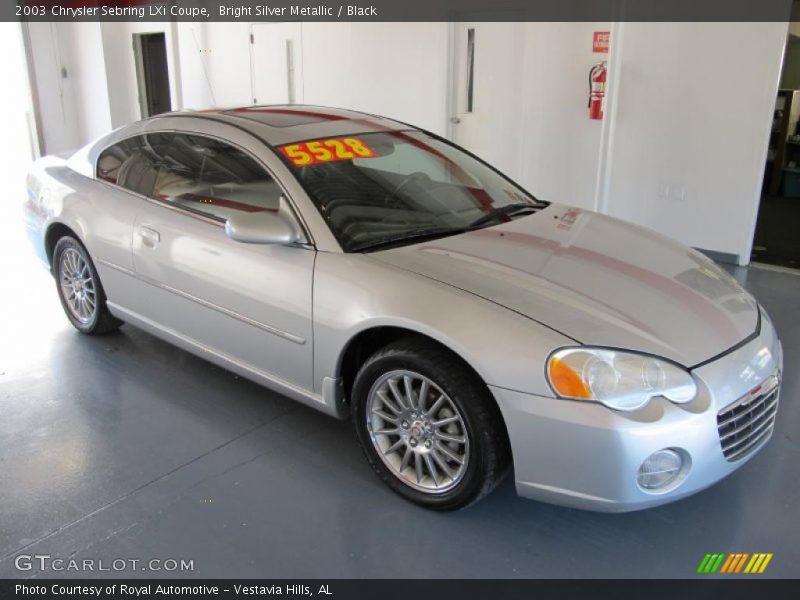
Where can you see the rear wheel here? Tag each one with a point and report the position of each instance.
(79, 289)
(428, 425)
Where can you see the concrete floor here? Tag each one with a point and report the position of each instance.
(125, 447)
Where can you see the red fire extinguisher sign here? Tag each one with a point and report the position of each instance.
(601, 41)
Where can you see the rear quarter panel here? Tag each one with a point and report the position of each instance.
(100, 216)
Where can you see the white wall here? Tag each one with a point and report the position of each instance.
(89, 80)
(15, 151)
(192, 49)
(99, 90)
(50, 47)
(228, 62)
(561, 145)
(117, 45)
(690, 126)
(396, 69)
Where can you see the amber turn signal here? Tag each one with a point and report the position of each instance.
(566, 381)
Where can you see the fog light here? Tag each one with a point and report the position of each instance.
(660, 469)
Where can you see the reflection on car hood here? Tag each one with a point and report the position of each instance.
(595, 279)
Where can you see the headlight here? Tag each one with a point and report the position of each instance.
(620, 380)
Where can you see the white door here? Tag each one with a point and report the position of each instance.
(276, 62)
(485, 93)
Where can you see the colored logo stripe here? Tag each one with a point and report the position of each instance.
(710, 563)
(758, 563)
(734, 563)
(727, 564)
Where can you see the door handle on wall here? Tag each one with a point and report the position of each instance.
(150, 237)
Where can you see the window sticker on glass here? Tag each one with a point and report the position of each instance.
(315, 152)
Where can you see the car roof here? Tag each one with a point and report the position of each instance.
(285, 123)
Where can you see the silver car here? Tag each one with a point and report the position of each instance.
(376, 271)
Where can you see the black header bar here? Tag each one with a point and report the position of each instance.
(398, 10)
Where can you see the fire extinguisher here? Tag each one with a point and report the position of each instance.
(597, 90)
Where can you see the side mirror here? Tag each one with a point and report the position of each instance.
(266, 227)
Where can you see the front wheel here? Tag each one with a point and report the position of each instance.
(428, 425)
(79, 289)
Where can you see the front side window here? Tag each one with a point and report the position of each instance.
(376, 190)
(191, 172)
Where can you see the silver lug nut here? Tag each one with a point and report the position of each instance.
(413, 442)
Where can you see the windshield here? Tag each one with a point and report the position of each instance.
(381, 189)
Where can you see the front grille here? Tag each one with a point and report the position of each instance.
(748, 422)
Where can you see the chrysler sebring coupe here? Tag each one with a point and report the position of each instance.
(377, 272)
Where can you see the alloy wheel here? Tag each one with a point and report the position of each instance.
(418, 431)
(77, 286)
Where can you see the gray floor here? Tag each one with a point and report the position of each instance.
(124, 447)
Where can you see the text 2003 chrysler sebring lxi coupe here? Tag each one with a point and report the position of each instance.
(363, 266)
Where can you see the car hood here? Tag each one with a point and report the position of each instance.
(595, 279)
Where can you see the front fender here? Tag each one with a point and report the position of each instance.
(353, 293)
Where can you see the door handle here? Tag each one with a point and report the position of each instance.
(150, 237)
(455, 120)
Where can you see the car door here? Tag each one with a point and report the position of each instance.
(248, 304)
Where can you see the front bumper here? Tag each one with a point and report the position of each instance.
(587, 456)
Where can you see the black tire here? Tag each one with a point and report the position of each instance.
(101, 321)
(489, 451)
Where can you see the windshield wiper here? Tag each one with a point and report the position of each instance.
(498, 213)
(509, 210)
(410, 237)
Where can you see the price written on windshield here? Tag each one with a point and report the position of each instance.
(315, 152)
